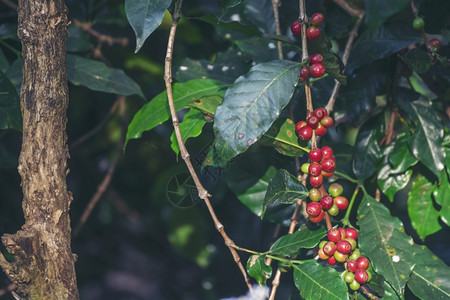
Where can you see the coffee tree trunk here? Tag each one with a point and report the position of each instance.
(43, 266)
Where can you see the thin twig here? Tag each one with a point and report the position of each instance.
(101, 189)
(99, 126)
(424, 34)
(350, 10)
(389, 133)
(275, 5)
(102, 38)
(11, 5)
(348, 47)
(368, 293)
(202, 192)
(8, 289)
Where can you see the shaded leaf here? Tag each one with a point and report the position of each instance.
(144, 17)
(261, 14)
(234, 25)
(206, 104)
(252, 104)
(259, 49)
(441, 194)
(157, 110)
(257, 268)
(283, 138)
(10, 115)
(430, 278)
(284, 188)
(14, 74)
(382, 238)
(424, 216)
(390, 182)
(377, 11)
(317, 282)
(400, 156)
(418, 60)
(4, 64)
(97, 76)
(191, 126)
(303, 238)
(77, 39)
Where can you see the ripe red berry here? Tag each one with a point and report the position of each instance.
(331, 260)
(305, 133)
(315, 169)
(351, 233)
(328, 164)
(317, 70)
(315, 155)
(341, 202)
(314, 209)
(335, 189)
(327, 152)
(316, 181)
(296, 28)
(334, 235)
(435, 45)
(327, 121)
(327, 174)
(312, 121)
(316, 59)
(300, 125)
(344, 246)
(351, 266)
(320, 113)
(361, 276)
(343, 233)
(314, 195)
(320, 130)
(316, 19)
(326, 202)
(313, 33)
(362, 263)
(340, 257)
(329, 248)
(317, 219)
(304, 74)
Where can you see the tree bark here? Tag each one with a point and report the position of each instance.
(43, 266)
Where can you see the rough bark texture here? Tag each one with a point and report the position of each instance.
(43, 266)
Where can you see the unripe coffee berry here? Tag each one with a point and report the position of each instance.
(335, 189)
(333, 210)
(349, 277)
(343, 233)
(316, 58)
(314, 209)
(418, 23)
(327, 121)
(327, 174)
(314, 195)
(322, 254)
(322, 243)
(340, 257)
(354, 285)
(351, 241)
(355, 255)
(296, 28)
(316, 19)
(317, 70)
(313, 33)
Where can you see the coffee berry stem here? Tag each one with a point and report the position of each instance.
(346, 220)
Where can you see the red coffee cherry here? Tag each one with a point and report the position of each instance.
(317, 70)
(327, 174)
(320, 130)
(334, 235)
(296, 28)
(351, 266)
(312, 121)
(341, 202)
(316, 19)
(435, 45)
(326, 202)
(362, 263)
(305, 133)
(304, 74)
(313, 33)
(328, 164)
(361, 276)
(344, 246)
(327, 152)
(300, 125)
(320, 113)
(331, 260)
(315, 155)
(327, 121)
(343, 233)
(315, 169)
(351, 233)
(316, 59)
(314, 209)
(319, 218)
(316, 181)
(329, 248)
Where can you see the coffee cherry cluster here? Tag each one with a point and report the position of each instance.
(319, 121)
(332, 203)
(341, 248)
(322, 165)
(312, 32)
(315, 70)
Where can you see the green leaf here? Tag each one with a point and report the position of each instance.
(282, 137)
(317, 282)
(144, 17)
(206, 104)
(248, 178)
(257, 268)
(387, 40)
(377, 11)
(382, 238)
(419, 61)
(192, 126)
(400, 156)
(97, 76)
(284, 188)
(4, 64)
(367, 151)
(261, 14)
(259, 49)
(157, 110)
(390, 182)
(430, 278)
(424, 217)
(441, 194)
(426, 143)
(235, 26)
(303, 238)
(10, 115)
(77, 39)
(252, 104)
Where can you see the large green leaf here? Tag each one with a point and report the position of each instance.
(284, 188)
(191, 126)
(377, 11)
(157, 110)
(252, 104)
(145, 16)
(257, 268)
(391, 182)
(248, 178)
(387, 40)
(382, 238)
(317, 282)
(10, 115)
(282, 137)
(430, 278)
(426, 143)
(418, 60)
(400, 156)
(424, 217)
(303, 238)
(367, 151)
(207, 104)
(235, 26)
(441, 194)
(97, 76)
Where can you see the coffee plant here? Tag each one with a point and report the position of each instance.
(328, 117)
